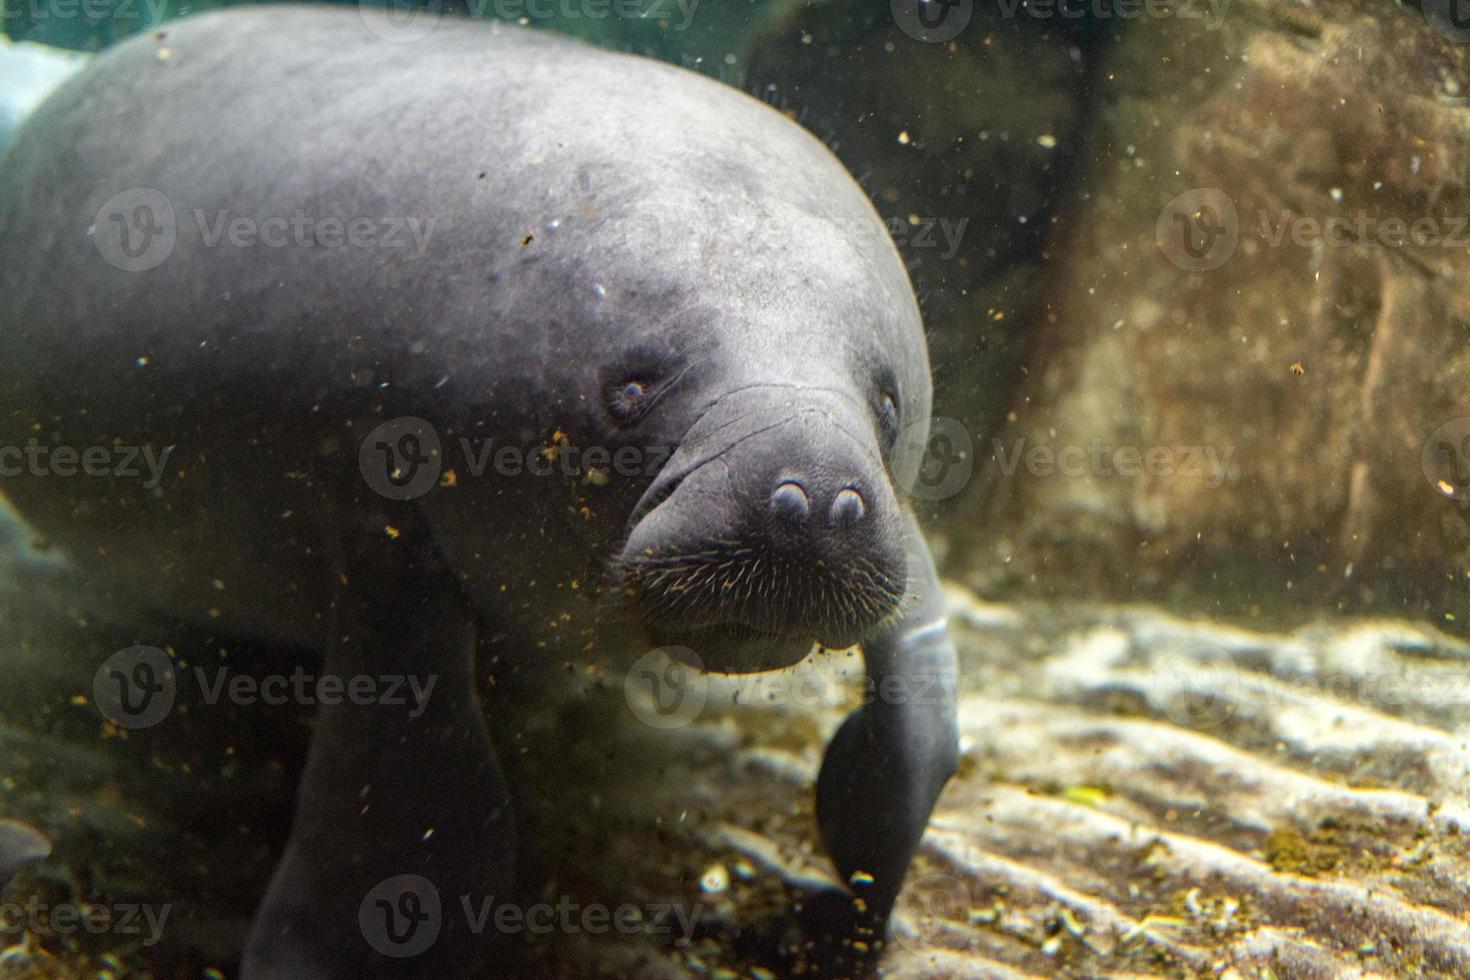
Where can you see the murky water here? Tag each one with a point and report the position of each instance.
(433, 462)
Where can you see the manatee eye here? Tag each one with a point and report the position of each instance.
(627, 401)
(888, 416)
(637, 381)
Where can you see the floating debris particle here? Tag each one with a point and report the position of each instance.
(1093, 796)
(715, 880)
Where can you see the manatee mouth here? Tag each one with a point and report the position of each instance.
(732, 648)
(741, 609)
(747, 603)
(774, 527)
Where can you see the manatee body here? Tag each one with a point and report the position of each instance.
(419, 328)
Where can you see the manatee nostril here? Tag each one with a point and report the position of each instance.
(789, 503)
(847, 508)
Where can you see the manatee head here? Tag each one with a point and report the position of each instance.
(796, 392)
(732, 296)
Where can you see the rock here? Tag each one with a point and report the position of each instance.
(1304, 389)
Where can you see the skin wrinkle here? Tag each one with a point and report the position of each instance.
(695, 583)
(862, 576)
(796, 386)
(727, 579)
(641, 513)
(862, 444)
(668, 386)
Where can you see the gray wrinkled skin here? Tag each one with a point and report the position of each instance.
(586, 222)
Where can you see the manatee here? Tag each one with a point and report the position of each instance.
(378, 339)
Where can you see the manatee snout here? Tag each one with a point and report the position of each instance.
(774, 526)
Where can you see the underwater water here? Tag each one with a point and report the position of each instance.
(930, 488)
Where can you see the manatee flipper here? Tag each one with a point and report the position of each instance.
(19, 845)
(410, 790)
(890, 759)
